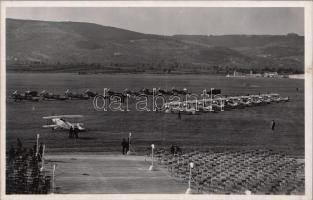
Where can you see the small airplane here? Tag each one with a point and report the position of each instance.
(145, 91)
(266, 98)
(257, 100)
(276, 98)
(164, 92)
(90, 93)
(127, 92)
(234, 102)
(176, 91)
(72, 95)
(123, 96)
(28, 95)
(50, 96)
(113, 93)
(59, 122)
(246, 101)
(180, 107)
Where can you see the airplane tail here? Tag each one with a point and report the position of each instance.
(79, 126)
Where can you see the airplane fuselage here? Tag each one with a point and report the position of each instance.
(60, 123)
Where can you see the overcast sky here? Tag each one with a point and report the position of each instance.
(169, 21)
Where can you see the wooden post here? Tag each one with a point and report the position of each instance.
(37, 145)
(53, 179)
(42, 159)
(189, 190)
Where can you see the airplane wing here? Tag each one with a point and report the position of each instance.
(63, 116)
(50, 126)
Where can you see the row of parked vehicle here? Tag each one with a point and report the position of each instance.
(220, 103)
(45, 95)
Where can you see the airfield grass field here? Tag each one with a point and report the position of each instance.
(248, 128)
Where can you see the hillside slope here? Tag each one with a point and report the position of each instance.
(75, 46)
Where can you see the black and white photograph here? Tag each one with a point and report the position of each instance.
(157, 99)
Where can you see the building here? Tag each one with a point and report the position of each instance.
(271, 75)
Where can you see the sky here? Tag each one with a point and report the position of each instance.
(171, 21)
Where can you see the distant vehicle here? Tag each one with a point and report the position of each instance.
(266, 98)
(110, 93)
(257, 100)
(277, 98)
(173, 106)
(145, 91)
(217, 105)
(28, 95)
(206, 105)
(246, 100)
(90, 93)
(214, 91)
(164, 92)
(176, 91)
(59, 122)
(284, 99)
(16, 96)
(233, 102)
(180, 107)
(129, 93)
(73, 95)
(50, 96)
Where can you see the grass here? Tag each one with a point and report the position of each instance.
(236, 129)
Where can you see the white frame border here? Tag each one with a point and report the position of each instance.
(308, 16)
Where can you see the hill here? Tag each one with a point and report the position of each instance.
(87, 47)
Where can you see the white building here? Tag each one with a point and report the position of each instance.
(271, 74)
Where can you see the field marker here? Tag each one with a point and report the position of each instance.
(53, 179)
(189, 190)
(152, 168)
(42, 159)
(37, 143)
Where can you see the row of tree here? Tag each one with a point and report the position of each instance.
(159, 67)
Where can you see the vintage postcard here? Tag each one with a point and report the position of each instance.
(156, 100)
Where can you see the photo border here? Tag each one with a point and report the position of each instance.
(308, 8)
